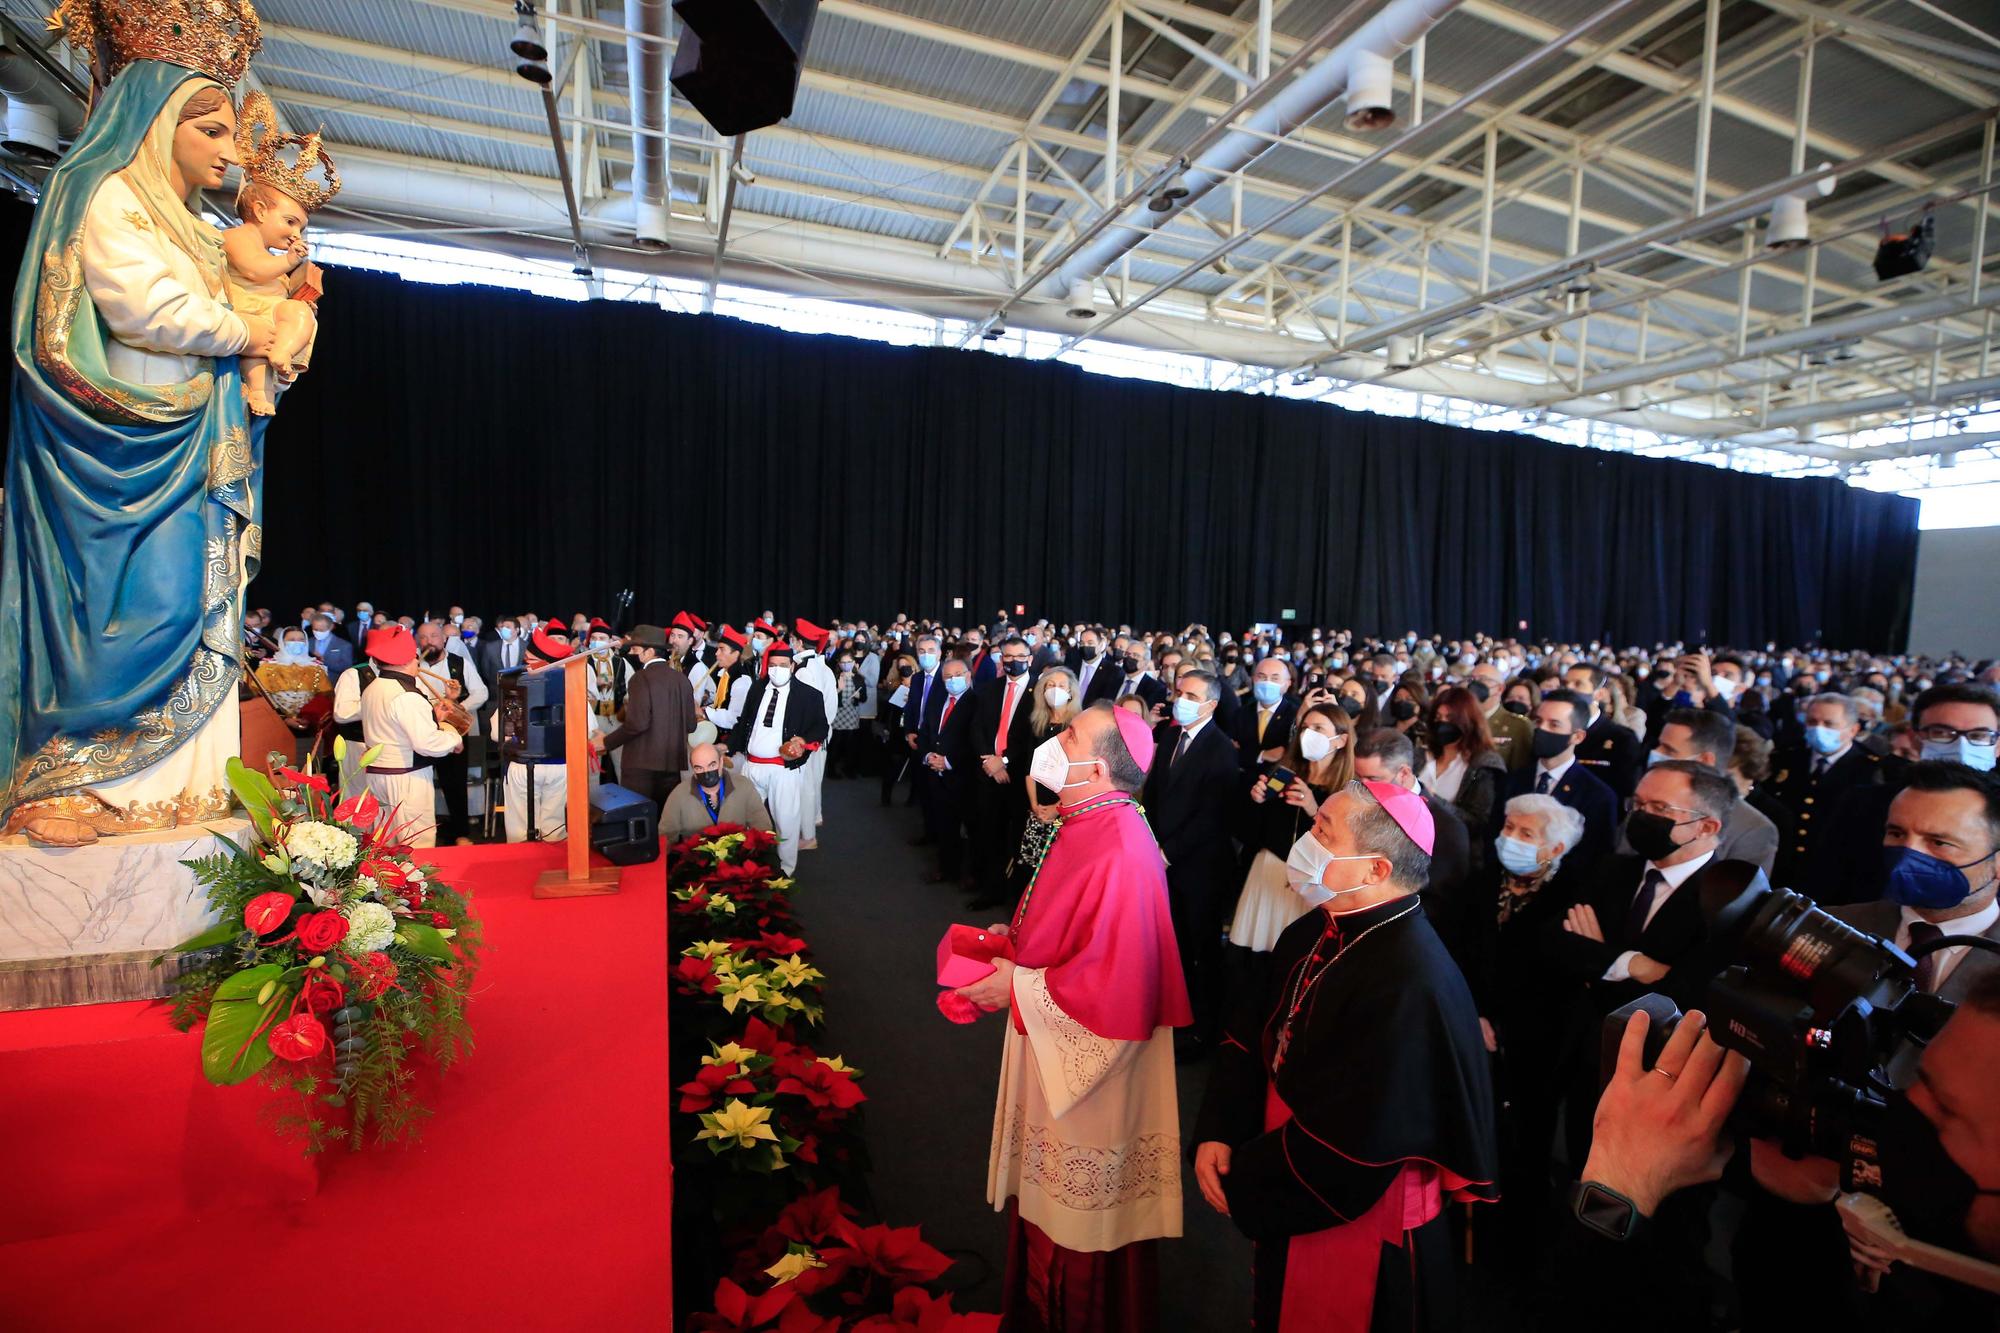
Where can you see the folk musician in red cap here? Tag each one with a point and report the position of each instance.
(813, 670)
(403, 727)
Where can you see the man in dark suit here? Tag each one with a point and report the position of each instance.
(1611, 751)
(1129, 656)
(1264, 723)
(979, 656)
(1812, 781)
(1097, 674)
(1639, 918)
(783, 722)
(1003, 739)
(1562, 720)
(1188, 798)
(1707, 737)
(495, 655)
(652, 741)
(335, 653)
(926, 701)
(949, 765)
(1388, 755)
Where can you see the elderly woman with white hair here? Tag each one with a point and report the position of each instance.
(1525, 1007)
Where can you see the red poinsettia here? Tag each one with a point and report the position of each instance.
(737, 1311)
(814, 1218)
(696, 976)
(898, 1254)
(823, 1085)
(712, 1084)
(917, 1310)
(299, 1037)
(267, 911)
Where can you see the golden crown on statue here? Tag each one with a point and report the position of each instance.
(259, 141)
(216, 37)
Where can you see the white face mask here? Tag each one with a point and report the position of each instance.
(1306, 867)
(295, 648)
(1314, 745)
(1051, 765)
(780, 675)
(1057, 697)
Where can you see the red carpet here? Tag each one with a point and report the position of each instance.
(537, 1197)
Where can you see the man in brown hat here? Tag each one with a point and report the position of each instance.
(659, 714)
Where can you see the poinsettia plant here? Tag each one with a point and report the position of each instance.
(767, 1103)
(335, 956)
(782, 991)
(727, 879)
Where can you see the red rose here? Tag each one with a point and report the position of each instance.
(323, 994)
(267, 911)
(440, 920)
(299, 1037)
(371, 973)
(320, 931)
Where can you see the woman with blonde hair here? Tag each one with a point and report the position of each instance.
(1320, 758)
(1053, 707)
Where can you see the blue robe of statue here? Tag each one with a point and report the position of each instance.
(131, 508)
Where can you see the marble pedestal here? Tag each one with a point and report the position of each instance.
(82, 925)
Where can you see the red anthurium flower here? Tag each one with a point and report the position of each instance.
(737, 1311)
(267, 911)
(823, 1085)
(385, 872)
(363, 809)
(297, 779)
(299, 1037)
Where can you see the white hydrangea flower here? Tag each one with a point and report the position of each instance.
(322, 843)
(371, 927)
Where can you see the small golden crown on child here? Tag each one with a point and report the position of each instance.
(260, 142)
(216, 37)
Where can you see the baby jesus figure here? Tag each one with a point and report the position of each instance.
(264, 283)
(269, 273)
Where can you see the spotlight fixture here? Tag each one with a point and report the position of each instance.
(1631, 398)
(1081, 304)
(1788, 215)
(996, 330)
(1579, 282)
(1370, 96)
(1303, 377)
(744, 176)
(1170, 191)
(1402, 351)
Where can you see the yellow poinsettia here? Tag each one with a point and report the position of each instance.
(706, 949)
(729, 1053)
(721, 907)
(782, 883)
(795, 1262)
(740, 1124)
(793, 972)
(736, 990)
(721, 847)
(839, 1066)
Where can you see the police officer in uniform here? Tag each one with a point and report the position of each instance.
(1810, 782)
(1609, 750)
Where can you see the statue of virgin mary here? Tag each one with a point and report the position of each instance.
(132, 474)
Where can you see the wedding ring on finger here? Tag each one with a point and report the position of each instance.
(1667, 1074)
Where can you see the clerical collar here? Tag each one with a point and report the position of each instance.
(1361, 918)
(1086, 804)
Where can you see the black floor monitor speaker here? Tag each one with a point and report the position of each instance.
(738, 61)
(624, 826)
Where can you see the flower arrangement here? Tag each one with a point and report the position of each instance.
(779, 990)
(727, 878)
(765, 1103)
(336, 957)
(815, 1269)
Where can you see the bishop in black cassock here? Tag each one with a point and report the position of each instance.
(1352, 1099)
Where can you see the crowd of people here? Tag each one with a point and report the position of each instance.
(1553, 814)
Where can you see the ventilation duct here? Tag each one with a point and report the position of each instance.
(646, 70)
(1788, 215)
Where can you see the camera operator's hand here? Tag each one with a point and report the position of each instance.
(1795, 1180)
(1659, 1130)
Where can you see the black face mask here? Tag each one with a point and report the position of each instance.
(1350, 705)
(1402, 710)
(1480, 690)
(1090, 651)
(709, 780)
(906, 671)
(1652, 836)
(1131, 665)
(1930, 1193)
(1547, 744)
(1448, 733)
(1015, 668)
(1518, 707)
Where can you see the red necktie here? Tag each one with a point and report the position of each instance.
(946, 715)
(1006, 714)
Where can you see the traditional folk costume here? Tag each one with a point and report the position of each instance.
(347, 691)
(778, 712)
(720, 695)
(695, 663)
(546, 817)
(1355, 1095)
(1086, 1152)
(398, 725)
(814, 671)
(291, 681)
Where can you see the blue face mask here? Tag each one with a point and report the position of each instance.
(1655, 757)
(1682, 699)
(1918, 879)
(957, 685)
(927, 661)
(1962, 751)
(1268, 692)
(506, 634)
(1032, 639)
(468, 634)
(1823, 740)
(1519, 857)
(1186, 712)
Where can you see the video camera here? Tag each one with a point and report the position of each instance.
(1831, 1018)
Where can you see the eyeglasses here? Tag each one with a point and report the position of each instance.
(1660, 808)
(1946, 735)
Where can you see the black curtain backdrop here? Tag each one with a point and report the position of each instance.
(505, 451)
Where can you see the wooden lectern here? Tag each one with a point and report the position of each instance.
(578, 878)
